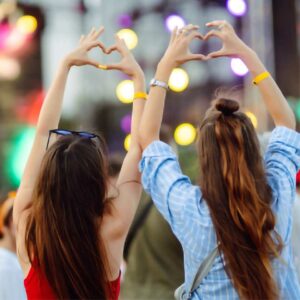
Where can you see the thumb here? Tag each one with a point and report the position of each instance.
(217, 54)
(116, 66)
(193, 56)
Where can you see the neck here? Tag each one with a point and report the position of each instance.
(8, 243)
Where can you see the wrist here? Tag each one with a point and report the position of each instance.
(139, 82)
(166, 64)
(246, 54)
(164, 70)
(67, 63)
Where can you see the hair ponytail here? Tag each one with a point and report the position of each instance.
(239, 199)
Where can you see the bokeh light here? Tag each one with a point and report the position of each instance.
(125, 21)
(19, 151)
(27, 24)
(16, 40)
(238, 67)
(127, 142)
(10, 68)
(237, 7)
(179, 80)
(252, 117)
(125, 91)
(4, 34)
(297, 110)
(126, 123)
(185, 134)
(173, 21)
(129, 36)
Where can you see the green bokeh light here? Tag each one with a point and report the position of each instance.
(19, 150)
(297, 110)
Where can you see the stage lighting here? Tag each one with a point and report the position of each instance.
(129, 36)
(237, 7)
(185, 134)
(174, 20)
(126, 123)
(179, 80)
(127, 142)
(27, 24)
(125, 91)
(238, 67)
(252, 117)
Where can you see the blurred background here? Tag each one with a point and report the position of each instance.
(36, 34)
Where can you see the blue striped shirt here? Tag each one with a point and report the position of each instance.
(183, 206)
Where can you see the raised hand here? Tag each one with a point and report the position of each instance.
(233, 46)
(178, 51)
(128, 63)
(79, 56)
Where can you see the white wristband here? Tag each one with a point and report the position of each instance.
(155, 82)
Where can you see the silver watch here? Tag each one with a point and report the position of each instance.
(155, 82)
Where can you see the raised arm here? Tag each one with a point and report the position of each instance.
(128, 184)
(233, 46)
(176, 54)
(49, 118)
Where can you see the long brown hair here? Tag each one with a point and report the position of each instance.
(62, 234)
(234, 185)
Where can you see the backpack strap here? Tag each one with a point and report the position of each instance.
(204, 269)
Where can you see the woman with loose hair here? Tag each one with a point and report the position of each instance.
(70, 233)
(242, 206)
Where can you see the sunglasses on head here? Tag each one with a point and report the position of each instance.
(65, 132)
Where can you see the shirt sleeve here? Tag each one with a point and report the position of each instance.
(171, 191)
(282, 161)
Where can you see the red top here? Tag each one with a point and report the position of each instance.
(37, 286)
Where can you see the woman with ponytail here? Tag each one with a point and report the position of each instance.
(243, 203)
(70, 231)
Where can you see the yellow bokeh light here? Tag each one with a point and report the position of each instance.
(129, 36)
(27, 24)
(252, 117)
(125, 91)
(127, 142)
(185, 134)
(179, 80)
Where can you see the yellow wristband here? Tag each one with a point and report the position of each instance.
(140, 95)
(261, 77)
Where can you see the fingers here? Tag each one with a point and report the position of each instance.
(93, 30)
(193, 56)
(94, 44)
(213, 33)
(173, 34)
(94, 63)
(97, 33)
(82, 37)
(217, 23)
(117, 66)
(216, 54)
(121, 43)
(112, 49)
(195, 35)
(187, 30)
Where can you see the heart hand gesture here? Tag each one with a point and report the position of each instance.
(128, 64)
(178, 51)
(79, 56)
(233, 46)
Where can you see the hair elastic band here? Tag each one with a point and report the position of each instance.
(261, 77)
(140, 95)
